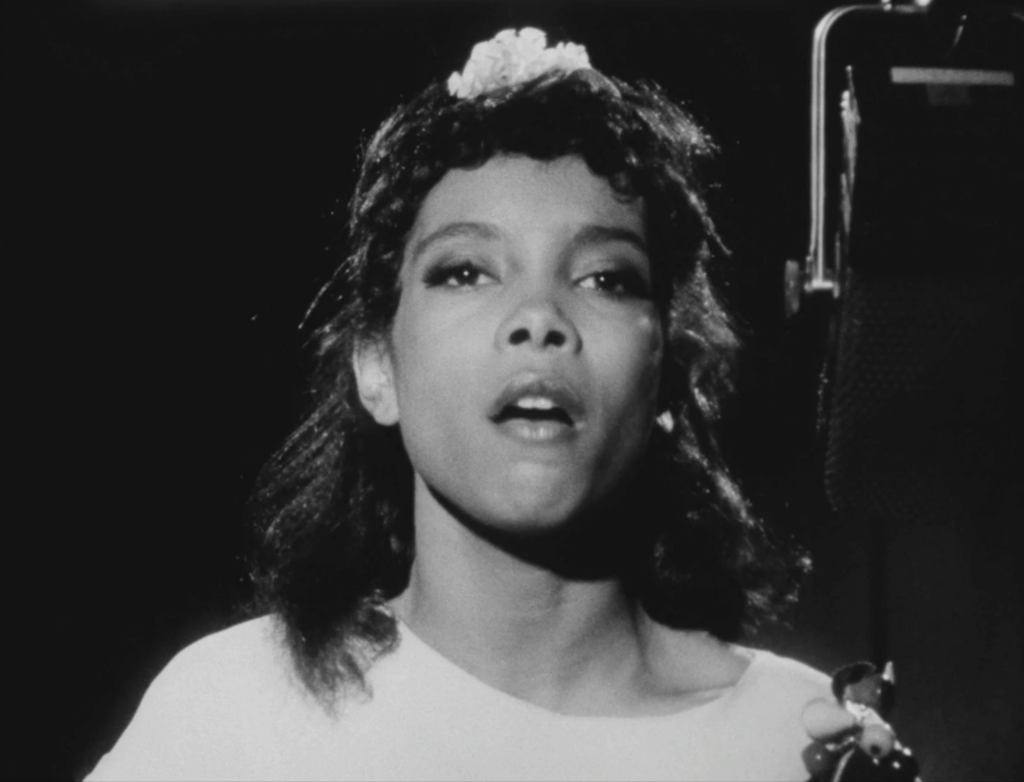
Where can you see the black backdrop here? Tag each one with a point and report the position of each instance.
(174, 168)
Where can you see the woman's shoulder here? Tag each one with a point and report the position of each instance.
(765, 712)
(752, 726)
(779, 688)
(253, 644)
(771, 670)
(757, 685)
(236, 662)
(213, 697)
(709, 663)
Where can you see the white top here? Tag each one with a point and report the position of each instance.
(229, 707)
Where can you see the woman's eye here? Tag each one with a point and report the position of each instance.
(457, 275)
(618, 283)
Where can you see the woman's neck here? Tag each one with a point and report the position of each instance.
(572, 646)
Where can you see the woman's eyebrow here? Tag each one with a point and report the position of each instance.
(485, 231)
(603, 234)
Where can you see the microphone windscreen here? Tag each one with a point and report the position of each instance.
(918, 410)
(919, 421)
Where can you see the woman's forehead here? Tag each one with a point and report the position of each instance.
(510, 194)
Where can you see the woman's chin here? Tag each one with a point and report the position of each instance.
(521, 509)
(550, 524)
(536, 502)
(558, 534)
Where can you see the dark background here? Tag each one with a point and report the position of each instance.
(173, 169)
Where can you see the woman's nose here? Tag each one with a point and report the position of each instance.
(539, 322)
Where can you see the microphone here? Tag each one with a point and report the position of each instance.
(918, 388)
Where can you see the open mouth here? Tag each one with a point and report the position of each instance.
(538, 409)
(534, 409)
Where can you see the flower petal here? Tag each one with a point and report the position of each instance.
(514, 57)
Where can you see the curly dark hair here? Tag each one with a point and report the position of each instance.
(333, 508)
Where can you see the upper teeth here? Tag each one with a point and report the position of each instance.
(536, 403)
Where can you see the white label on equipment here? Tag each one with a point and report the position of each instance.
(957, 76)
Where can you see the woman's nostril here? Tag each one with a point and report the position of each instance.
(555, 339)
(519, 336)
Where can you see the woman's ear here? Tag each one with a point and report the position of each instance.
(375, 379)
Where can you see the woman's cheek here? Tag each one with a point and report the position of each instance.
(631, 375)
(647, 348)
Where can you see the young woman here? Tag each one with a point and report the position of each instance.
(503, 545)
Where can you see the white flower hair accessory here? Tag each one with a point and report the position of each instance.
(514, 57)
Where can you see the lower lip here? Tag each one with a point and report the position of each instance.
(537, 432)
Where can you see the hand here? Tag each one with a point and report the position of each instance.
(851, 740)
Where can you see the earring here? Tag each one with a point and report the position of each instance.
(666, 421)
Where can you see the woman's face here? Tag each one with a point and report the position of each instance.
(524, 360)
